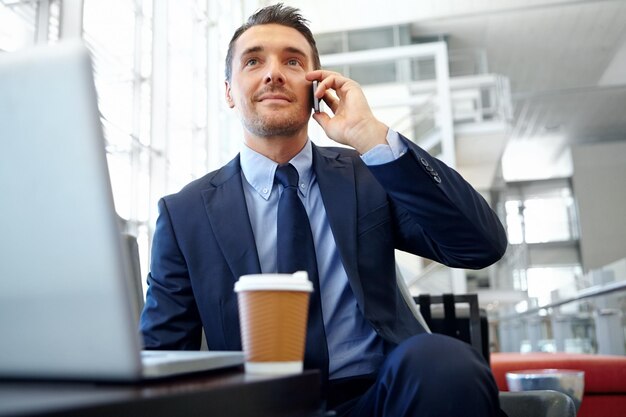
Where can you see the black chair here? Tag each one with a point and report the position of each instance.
(470, 325)
(467, 324)
(134, 283)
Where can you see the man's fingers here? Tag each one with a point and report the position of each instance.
(335, 82)
(331, 101)
(319, 74)
(322, 119)
(329, 80)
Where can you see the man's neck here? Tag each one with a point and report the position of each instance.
(280, 149)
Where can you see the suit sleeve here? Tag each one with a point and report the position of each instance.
(438, 214)
(170, 319)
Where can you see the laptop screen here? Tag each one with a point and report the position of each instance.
(64, 298)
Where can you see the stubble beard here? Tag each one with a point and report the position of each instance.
(286, 123)
(263, 128)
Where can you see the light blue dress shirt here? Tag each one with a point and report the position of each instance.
(354, 347)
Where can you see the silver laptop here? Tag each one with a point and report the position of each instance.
(65, 297)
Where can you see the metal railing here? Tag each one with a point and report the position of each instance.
(589, 321)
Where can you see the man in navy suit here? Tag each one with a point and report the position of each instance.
(384, 193)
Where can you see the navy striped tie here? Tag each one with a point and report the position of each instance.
(296, 252)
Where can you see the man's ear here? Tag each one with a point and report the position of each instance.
(229, 98)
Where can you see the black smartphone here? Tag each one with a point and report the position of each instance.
(316, 101)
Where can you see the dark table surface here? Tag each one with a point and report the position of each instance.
(228, 392)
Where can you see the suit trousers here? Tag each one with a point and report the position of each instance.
(427, 375)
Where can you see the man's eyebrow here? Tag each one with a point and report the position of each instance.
(294, 50)
(252, 50)
(289, 49)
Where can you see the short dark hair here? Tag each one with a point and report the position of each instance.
(277, 14)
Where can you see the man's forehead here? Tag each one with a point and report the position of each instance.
(275, 36)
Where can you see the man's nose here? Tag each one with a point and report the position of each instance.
(274, 74)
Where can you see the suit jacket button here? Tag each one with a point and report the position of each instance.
(437, 179)
(424, 162)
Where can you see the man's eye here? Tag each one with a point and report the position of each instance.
(293, 62)
(252, 61)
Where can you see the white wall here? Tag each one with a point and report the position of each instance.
(333, 15)
(600, 188)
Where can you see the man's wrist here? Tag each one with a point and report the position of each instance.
(374, 135)
(393, 149)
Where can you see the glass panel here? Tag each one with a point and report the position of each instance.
(119, 34)
(188, 48)
(547, 219)
(339, 68)
(404, 34)
(359, 40)
(54, 25)
(423, 69)
(542, 281)
(17, 25)
(520, 283)
(330, 43)
(374, 73)
(109, 32)
(540, 213)
(120, 172)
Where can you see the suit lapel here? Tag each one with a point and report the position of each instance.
(226, 208)
(335, 177)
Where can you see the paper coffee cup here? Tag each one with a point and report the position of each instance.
(273, 310)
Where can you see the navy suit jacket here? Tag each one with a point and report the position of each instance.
(204, 242)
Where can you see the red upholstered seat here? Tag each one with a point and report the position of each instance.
(605, 377)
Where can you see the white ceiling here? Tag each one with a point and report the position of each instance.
(566, 63)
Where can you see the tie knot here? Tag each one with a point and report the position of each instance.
(286, 175)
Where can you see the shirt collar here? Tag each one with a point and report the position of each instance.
(258, 170)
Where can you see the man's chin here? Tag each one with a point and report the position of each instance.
(275, 131)
(277, 124)
(275, 127)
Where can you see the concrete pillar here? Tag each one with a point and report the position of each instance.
(516, 335)
(533, 329)
(609, 332)
(562, 330)
(504, 331)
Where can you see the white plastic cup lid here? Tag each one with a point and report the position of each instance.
(298, 281)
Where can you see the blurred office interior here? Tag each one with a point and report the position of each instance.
(526, 99)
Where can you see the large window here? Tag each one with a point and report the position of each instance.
(158, 69)
(24, 23)
(543, 257)
(540, 213)
(154, 114)
(187, 91)
(543, 282)
(18, 23)
(119, 36)
(122, 82)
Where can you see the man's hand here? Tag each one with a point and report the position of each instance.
(353, 123)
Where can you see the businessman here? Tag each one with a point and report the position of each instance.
(359, 203)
